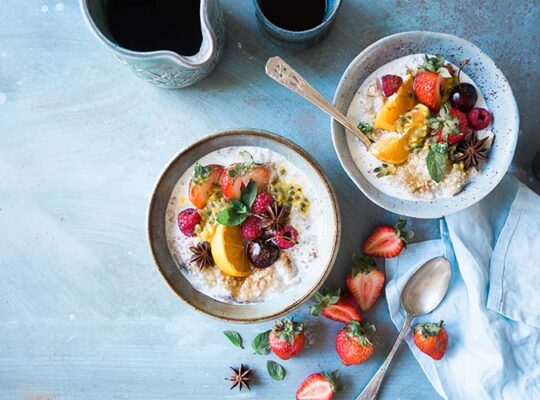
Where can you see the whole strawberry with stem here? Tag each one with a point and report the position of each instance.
(354, 344)
(287, 338)
(365, 282)
(450, 125)
(319, 386)
(336, 306)
(387, 241)
(431, 339)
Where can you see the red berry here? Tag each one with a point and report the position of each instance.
(286, 238)
(462, 125)
(262, 202)
(251, 228)
(390, 84)
(479, 118)
(188, 220)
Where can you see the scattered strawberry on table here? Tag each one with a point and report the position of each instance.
(287, 338)
(365, 282)
(319, 386)
(431, 339)
(387, 241)
(335, 305)
(353, 343)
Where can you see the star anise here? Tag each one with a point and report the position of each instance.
(202, 256)
(275, 217)
(472, 151)
(240, 377)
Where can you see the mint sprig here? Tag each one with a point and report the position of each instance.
(238, 210)
(436, 161)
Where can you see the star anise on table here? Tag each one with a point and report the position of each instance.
(275, 217)
(202, 256)
(472, 151)
(240, 377)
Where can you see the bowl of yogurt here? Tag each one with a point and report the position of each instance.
(244, 226)
(441, 117)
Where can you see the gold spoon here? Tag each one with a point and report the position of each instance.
(283, 73)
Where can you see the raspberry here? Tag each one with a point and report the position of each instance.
(390, 84)
(251, 228)
(262, 202)
(479, 118)
(286, 238)
(187, 220)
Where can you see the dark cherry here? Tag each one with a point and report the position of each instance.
(261, 254)
(463, 97)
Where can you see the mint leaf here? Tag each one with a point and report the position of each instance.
(238, 206)
(234, 337)
(248, 194)
(436, 164)
(261, 343)
(276, 371)
(229, 217)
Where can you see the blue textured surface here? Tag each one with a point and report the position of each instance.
(84, 313)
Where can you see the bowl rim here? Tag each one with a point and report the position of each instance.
(281, 140)
(420, 212)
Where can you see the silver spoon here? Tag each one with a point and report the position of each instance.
(283, 73)
(422, 293)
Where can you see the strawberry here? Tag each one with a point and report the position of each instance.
(387, 241)
(450, 126)
(390, 84)
(287, 338)
(365, 282)
(427, 87)
(320, 386)
(335, 306)
(353, 344)
(237, 176)
(431, 339)
(202, 183)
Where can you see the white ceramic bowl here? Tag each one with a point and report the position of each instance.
(487, 76)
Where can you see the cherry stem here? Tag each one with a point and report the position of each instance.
(461, 65)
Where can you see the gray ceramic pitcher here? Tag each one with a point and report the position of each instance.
(164, 67)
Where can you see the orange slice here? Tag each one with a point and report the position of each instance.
(228, 251)
(392, 150)
(394, 108)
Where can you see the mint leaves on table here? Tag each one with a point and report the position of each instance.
(276, 371)
(238, 210)
(436, 161)
(261, 343)
(234, 337)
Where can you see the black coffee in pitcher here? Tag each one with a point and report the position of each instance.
(294, 15)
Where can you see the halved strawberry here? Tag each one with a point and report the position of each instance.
(365, 282)
(335, 306)
(450, 126)
(237, 176)
(320, 386)
(427, 87)
(387, 241)
(202, 183)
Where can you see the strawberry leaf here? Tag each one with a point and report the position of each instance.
(234, 338)
(261, 343)
(200, 173)
(276, 371)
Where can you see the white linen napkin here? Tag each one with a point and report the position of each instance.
(492, 308)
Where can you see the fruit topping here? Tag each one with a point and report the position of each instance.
(335, 306)
(450, 126)
(390, 84)
(384, 170)
(387, 241)
(240, 377)
(238, 210)
(188, 219)
(262, 254)
(392, 149)
(473, 152)
(287, 338)
(431, 339)
(276, 217)
(237, 176)
(479, 118)
(427, 87)
(228, 251)
(365, 282)
(437, 64)
(414, 125)
(403, 101)
(262, 202)
(286, 237)
(320, 386)
(202, 256)
(251, 228)
(202, 184)
(463, 97)
(353, 343)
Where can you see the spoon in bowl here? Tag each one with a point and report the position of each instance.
(283, 73)
(422, 293)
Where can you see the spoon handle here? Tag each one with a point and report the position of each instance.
(372, 388)
(283, 73)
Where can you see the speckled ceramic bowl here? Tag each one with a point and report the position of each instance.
(494, 87)
(291, 298)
